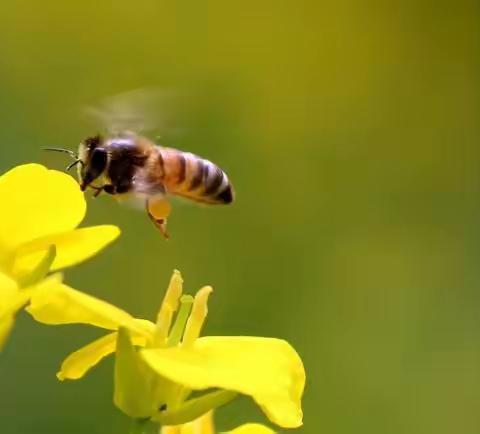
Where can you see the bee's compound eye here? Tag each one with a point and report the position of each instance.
(98, 162)
(93, 142)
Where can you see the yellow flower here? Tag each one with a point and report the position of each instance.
(156, 381)
(40, 212)
(204, 425)
(42, 208)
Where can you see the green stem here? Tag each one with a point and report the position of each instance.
(139, 426)
(176, 334)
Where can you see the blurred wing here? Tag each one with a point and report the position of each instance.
(144, 110)
(147, 183)
(141, 192)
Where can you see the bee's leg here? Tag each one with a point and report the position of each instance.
(161, 225)
(109, 189)
(97, 190)
(158, 209)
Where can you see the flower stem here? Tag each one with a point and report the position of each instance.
(138, 426)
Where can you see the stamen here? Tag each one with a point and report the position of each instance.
(71, 166)
(169, 307)
(197, 317)
(175, 336)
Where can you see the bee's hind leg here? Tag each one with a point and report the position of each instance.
(158, 209)
(161, 225)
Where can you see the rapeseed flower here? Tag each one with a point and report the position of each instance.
(41, 210)
(159, 365)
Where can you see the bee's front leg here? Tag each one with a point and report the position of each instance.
(97, 190)
(158, 209)
(109, 189)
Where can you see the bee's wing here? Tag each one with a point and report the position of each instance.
(142, 190)
(144, 110)
(146, 184)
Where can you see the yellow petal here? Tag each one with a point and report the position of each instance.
(8, 287)
(133, 380)
(65, 305)
(11, 300)
(77, 364)
(40, 270)
(203, 425)
(176, 430)
(252, 428)
(6, 324)
(17, 299)
(14, 302)
(268, 370)
(72, 247)
(37, 202)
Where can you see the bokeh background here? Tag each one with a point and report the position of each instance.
(351, 132)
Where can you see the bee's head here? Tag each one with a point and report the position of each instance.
(93, 159)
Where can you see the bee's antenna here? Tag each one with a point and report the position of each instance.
(72, 154)
(72, 165)
(66, 151)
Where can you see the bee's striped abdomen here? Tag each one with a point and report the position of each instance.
(188, 175)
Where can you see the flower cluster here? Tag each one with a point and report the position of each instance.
(41, 210)
(164, 371)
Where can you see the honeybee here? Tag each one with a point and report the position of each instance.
(128, 164)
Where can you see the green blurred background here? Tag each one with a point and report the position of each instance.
(351, 132)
